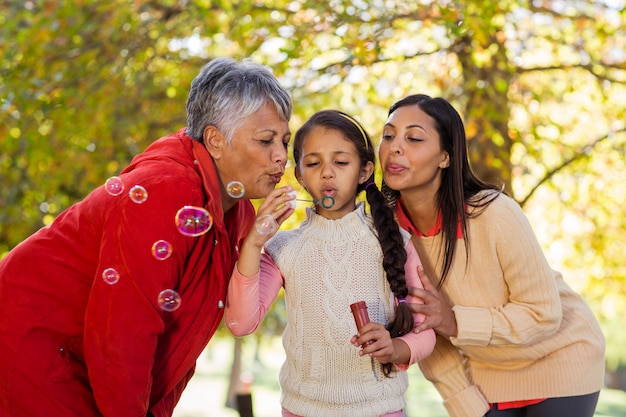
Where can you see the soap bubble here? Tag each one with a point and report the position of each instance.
(110, 276)
(138, 194)
(114, 186)
(265, 224)
(161, 250)
(235, 189)
(193, 221)
(169, 300)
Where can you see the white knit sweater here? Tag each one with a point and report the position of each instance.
(327, 265)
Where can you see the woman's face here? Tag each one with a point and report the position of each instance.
(410, 152)
(257, 154)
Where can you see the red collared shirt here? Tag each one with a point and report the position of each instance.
(514, 404)
(408, 225)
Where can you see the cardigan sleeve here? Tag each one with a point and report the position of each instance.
(249, 297)
(532, 311)
(444, 368)
(420, 344)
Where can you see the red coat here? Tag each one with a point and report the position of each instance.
(73, 345)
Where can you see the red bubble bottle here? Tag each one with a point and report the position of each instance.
(361, 318)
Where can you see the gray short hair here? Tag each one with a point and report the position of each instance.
(226, 91)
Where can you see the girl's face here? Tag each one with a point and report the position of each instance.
(410, 152)
(330, 166)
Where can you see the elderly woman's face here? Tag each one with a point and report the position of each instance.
(257, 154)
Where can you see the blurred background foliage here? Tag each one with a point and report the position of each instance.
(85, 85)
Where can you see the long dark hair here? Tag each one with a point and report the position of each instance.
(460, 187)
(389, 235)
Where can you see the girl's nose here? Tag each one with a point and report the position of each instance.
(327, 172)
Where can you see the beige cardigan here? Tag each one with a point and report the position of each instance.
(523, 333)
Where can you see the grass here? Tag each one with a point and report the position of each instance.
(205, 395)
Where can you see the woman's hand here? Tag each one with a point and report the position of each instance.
(382, 347)
(276, 205)
(439, 314)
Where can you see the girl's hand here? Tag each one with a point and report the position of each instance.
(439, 314)
(381, 348)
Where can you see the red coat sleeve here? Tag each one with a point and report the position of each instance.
(123, 321)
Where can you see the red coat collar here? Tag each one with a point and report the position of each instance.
(210, 181)
(239, 213)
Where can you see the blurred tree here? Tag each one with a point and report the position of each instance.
(85, 85)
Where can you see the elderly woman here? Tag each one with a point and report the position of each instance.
(105, 311)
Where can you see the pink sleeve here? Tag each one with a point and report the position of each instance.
(249, 298)
(420, 344)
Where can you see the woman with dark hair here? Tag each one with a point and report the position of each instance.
(513, 339)
(338, 256)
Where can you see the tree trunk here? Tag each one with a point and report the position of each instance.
(233, 385)
(616, 379)
(487, 112)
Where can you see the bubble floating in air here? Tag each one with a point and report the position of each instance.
(265, 224)
(161, 250)
(114, 186)
(138, 194)
(193, 221)
(235, 189)
(110, 276)
(169, 300)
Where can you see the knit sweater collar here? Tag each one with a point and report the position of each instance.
(349, 226)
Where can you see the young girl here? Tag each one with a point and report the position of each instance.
(339, 255)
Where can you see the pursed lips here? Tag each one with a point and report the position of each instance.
(394, 168)
(275, 178)
(329, 190)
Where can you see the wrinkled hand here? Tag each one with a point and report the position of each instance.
(275, 205)
(439, 314)
(382, 346)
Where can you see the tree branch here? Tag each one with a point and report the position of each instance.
(587, 67)
(580, 154)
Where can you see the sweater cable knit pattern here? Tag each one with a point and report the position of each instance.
(327, 265)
